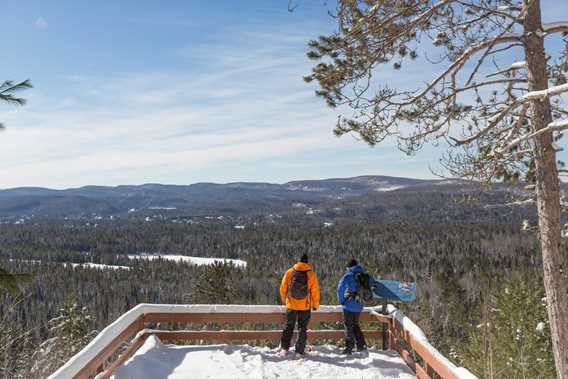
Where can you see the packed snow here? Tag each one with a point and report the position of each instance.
(157, 360)
(198, 261)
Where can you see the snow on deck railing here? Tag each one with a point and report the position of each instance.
(90, 359)
(416, 338)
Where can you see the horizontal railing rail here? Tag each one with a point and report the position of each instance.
(107, 350)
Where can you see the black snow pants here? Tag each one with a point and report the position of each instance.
(303, 318)
(353, 333)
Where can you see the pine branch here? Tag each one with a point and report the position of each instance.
(552, 127)
(462, 60)
(515, 66)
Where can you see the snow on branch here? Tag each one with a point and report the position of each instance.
(518, 203)
(558, 125)
(543, 94)
(531, 96)
(514, 66)
(555, 27)
(517, 65)
(505, 8)
(552, 127)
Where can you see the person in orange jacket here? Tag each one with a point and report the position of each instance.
(300, 293)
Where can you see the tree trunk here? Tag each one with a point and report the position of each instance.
(555, 260)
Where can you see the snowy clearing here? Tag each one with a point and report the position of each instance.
(389, 188)
(98, 266)
(198, 261)
(156, 360)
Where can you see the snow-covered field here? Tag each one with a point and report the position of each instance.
(99, 266)
(389, 188)
(199, 261)
(155, 360)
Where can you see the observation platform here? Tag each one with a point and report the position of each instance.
(134, 346)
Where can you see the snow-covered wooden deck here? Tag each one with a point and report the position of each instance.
(403, 343)
(155, 360)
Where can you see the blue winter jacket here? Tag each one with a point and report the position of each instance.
(348, 282)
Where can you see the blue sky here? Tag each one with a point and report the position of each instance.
(131, 92)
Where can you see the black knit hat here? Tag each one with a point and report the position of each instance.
(352, 263)
(304, 258)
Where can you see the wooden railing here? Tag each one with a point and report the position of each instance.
(120, 340)
(423, 358)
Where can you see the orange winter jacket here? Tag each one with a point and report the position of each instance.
(313, 298)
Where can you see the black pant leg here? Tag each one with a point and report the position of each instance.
(288, 331)
(359, 337)
(303, 321)
(348, 320)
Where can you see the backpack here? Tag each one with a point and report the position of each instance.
(364, 290)
(298, 287)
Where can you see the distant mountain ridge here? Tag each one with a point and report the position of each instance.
(202, 198)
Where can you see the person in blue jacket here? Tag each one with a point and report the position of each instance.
(352, 308)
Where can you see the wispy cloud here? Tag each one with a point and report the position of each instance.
(41, 23)
(250, 105)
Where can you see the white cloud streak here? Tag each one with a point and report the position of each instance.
(41, 23)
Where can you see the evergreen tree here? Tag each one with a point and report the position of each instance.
(69, 332)
(218, 284)
(513, 339)
(9, 281)
(8, 89)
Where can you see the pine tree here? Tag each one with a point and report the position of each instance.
(9, 281)
(513, 339)
(69, 332)
(499, 118)
(218, 284)
(8, 90)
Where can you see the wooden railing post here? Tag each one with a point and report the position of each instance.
(385, 326)
(385, 333)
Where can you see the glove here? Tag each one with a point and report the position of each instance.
(349, 293)
(314, 309)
